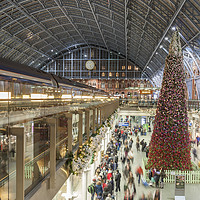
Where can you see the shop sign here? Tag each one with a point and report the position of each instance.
(123, 123)
(146, 92)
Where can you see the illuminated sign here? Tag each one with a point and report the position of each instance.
(146, 92)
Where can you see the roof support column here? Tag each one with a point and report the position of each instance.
(53, 129)
(87, 123)
(69, 130)
(19, 132)
(80, 128)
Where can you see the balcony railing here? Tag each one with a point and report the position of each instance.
(191, 104)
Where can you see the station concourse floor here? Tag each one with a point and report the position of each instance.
(191, 190)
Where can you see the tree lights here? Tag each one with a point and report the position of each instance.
(170, 144)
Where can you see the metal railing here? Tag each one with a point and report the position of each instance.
(191, 104)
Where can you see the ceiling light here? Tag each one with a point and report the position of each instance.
(85, 55)
(52, 50)
(56, 53)
(166, 38)
(173, 28)
(119, 53)
(156, 53)
(161, 46)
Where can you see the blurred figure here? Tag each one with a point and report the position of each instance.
(139, 172)
(127, 195)
(98, 188)
(150, 196)
(117, 180)
(143, 197)
(109, 197)
(157, 195)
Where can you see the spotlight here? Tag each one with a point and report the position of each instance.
(173, 28)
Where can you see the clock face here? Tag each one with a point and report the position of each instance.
(90, 64)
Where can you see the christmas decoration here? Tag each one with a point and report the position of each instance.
(170, 144)
(86, 153)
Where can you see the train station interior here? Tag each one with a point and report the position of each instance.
(99, 99)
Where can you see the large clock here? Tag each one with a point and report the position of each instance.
(90, 64)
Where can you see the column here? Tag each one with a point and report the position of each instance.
(69, 130)
(19, 132)
(93, 122)
(92, 170)
(84, 184)
(99, 155)
(70, 187)
(53, 129)
(100, 114)
(105, 142)
(87, 123)
(80, 129)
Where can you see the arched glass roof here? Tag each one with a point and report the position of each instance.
(35, 32)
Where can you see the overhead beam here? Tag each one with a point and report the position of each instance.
(35, 21)
(143, 30)
(125, 26)
(95, 18)
(165, 32)
(154, 11)
(64, 11)
(17, 40)
(146, 21)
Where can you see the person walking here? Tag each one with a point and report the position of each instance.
(98, 188)
(157, 195)
(150, 173)
(92, 188)
(138, 146)
(150, 196)
(162, 176)
(109, 186)
(198, 139)
(139, 172)
(117, 180)
(109, 197)
(143, 197)
(194, 151)
(157, 177)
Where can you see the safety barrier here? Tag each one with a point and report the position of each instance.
(191, 176)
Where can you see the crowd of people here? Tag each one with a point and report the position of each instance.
(107, 176)
(106, 182)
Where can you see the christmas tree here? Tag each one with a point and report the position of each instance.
(170, 144)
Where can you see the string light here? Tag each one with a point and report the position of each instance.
(170, 142)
